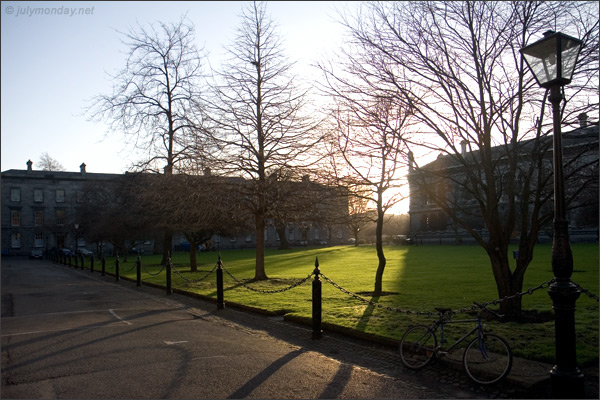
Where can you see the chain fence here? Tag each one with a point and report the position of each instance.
(292, 286)
(190, 281)
(463, 310)
(587, 292)
(162, 268)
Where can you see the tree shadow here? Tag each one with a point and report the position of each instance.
(262, 376)
(336, 387)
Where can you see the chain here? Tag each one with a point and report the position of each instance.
(587, 292)
(543, 285)
(156, 273)
(300, 282)
(372, 303)
(127, 269)
(193, 280)
(460, 311)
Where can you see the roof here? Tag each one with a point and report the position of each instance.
(587, 136)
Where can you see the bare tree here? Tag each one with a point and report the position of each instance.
(368, 147)
(457, 66)
(257, 117)
(156, 98)
(48, 163)
(198, 206)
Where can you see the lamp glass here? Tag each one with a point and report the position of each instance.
(552, 59)
(541, 58)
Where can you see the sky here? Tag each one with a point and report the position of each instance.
(56, 56)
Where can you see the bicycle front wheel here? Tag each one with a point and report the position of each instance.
(487, 360)
(417, 346)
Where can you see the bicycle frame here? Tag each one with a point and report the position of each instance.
(479, 329)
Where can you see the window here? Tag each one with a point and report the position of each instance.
(60, 217)
(60, 196)
(249, 238)
(15, 218)
(16, 240)
(15, 194)
(39, 240)
(38, 217)
(38, 195)
(291, 233)
(80, 197)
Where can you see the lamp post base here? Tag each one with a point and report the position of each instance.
(567, 384)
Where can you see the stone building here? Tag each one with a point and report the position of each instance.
(39, 212)
(440, 185)
(39, 209)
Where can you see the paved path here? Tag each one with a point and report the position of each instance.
(67, 333)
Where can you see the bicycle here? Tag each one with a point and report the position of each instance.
(487, 358)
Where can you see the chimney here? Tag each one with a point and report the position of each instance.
(583, 120)
(82, 168)
(411, 161)
(29, 166)
(463, 146)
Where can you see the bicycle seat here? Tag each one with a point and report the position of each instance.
(442, 310)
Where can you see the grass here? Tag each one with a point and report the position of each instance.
(416, 278)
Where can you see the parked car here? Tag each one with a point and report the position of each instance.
(65, 252)
(84, 252)
(36, 253)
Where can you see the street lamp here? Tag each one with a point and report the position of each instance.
(76, 227)
(552, 61)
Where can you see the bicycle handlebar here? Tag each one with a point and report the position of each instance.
(499, 316)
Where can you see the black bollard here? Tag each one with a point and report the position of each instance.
(317, 331)
(220, 301)
(138, 265)
(103, 263)
(70, 264)
(117, 268)
(168, 268)
(92, 263)
(82, 262)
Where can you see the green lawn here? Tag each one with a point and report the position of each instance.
(416, 278)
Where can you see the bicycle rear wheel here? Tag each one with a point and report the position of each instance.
(489, 360)
(417, 346)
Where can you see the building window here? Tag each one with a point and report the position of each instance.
(60, 196)
(38, 217)
(38, 195)
(16, 240)
(291, 233)
(15, 195)
(39, 240)
(249, 238)
(80, 197)
(15, 218)
(317, 234)
(60, 217)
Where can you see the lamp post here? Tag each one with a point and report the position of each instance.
(552, 61)
(76, 227)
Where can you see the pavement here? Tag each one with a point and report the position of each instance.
(67, 333)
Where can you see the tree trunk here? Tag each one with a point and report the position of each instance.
(508, 284)
(283, 243)
(260, 273)
(379, 247)
(193, 262)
